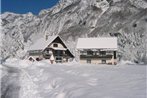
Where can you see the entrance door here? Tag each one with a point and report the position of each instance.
(58, 59)
(58, 56)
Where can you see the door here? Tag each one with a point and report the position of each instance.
(58, 56)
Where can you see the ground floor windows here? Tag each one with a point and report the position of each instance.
(89, 61)
(103, 61)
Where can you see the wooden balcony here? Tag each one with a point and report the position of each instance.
(96, 56)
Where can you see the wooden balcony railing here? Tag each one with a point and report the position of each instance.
(96, 56)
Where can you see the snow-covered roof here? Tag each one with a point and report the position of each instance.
(42, 43)
(97, 43)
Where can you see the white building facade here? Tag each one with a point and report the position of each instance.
(102, 50)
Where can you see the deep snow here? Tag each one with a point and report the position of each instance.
(24, 79)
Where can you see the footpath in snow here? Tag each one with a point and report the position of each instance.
(24, 79)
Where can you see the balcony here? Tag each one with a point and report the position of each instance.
(96, 56)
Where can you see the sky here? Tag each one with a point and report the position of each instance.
(25, 6)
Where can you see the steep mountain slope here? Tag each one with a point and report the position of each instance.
(126, 19)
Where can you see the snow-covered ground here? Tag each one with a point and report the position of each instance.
(24, 79)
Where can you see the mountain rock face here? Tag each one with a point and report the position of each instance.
(71, 19)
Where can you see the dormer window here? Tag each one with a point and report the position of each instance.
(55, 45)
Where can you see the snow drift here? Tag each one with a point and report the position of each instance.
(71, 80)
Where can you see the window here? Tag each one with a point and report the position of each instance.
(109, 53)
(55, 45)
(89, 52)
(35, 52)
(102, 53)
(103, 61)
(114, 54)
(89, 61)
(83, 53)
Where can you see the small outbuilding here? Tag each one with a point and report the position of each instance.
(52, 48)
(102, 50)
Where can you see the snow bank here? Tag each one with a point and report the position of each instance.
(73, 80)
(13, 62)
(122, 62)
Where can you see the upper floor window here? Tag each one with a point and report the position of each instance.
(55, 45)
(83, 52)
(102, 52)
(89, 52)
